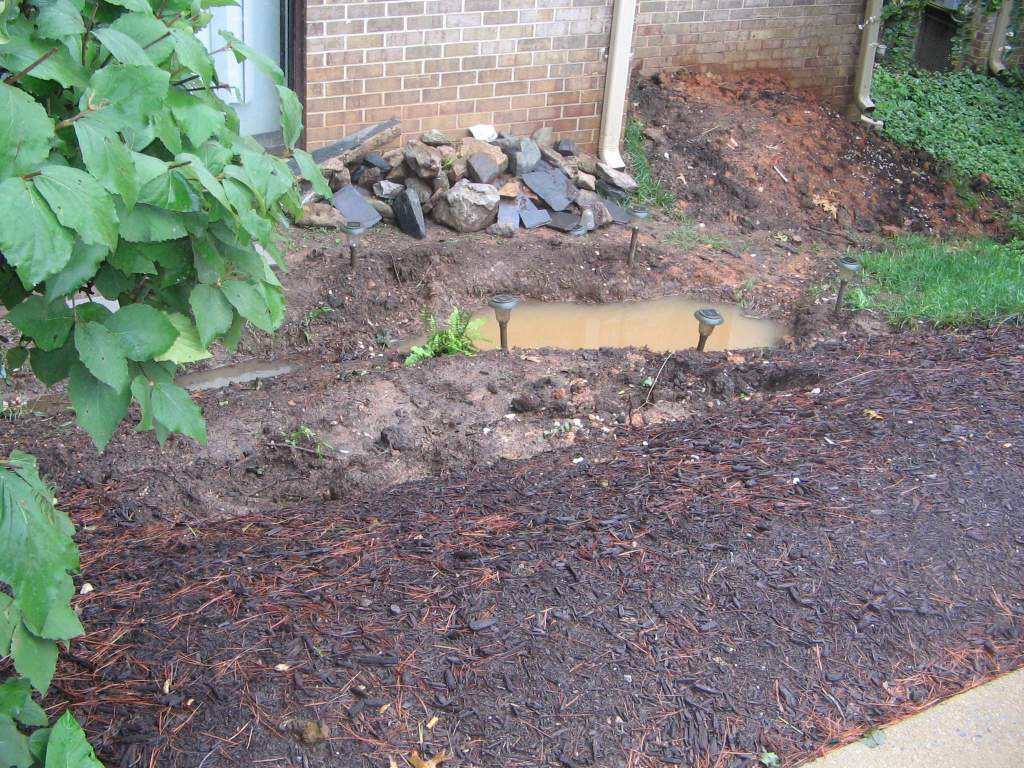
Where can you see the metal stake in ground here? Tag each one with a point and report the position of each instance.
(848, 269)
(503, 304)
(636, 212)
(707, 320)
(352, 230)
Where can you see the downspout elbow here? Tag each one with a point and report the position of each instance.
(996, 65)
(616, 83)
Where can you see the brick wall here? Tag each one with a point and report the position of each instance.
(520, 64)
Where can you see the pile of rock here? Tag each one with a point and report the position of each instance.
(473, 184)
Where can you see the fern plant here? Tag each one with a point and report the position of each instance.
(460, 337)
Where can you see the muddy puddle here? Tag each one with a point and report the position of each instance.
(238, 373)
(663, 325)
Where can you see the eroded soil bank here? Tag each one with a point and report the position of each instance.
(776, 574)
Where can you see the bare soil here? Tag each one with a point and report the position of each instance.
(663, 590)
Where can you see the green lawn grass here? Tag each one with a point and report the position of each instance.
(650, 191)
(953, 284)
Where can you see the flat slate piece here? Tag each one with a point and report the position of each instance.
(347, 143)
(548, 187)
(532, 216)
(619, 214)
(564, 221)
(409, 214)
(508, 213)
(353, 206)
(377, 161)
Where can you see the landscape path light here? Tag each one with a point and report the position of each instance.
(353, 230)
(707, 320)
(848, 269)
(503, 304)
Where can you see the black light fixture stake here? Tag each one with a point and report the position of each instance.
(352, 230)
(503, 304)
(707, 320)
(848, 269)
(634, 241)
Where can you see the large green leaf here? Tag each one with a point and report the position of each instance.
(141, 6)
(147, 224)
(80, 203)
(25, 132)
(311, 172)
(68, 746)
(122, 47)
(263, 62)
(98, 408)
(34, 657)
(16, 701)
(250, 302)
(167, 130)
(131, 91)
(58, 19)
(47, 323)
(14, 750)
(53, 366)
(291, 115)
(197, 119)
(23, 49)
(203, 175)
(36, 554)
(85, 262)
(266, 178)
(100, 352)
(186, 348)
(176, 411)
(171, 191)
(31, 238)
(108, 158)
(149, 32)
(212, 312)
(192, 55)
(144, 332)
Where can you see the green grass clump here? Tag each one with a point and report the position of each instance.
(971, 122)
(650, 192)
(958, 284)
(458, 338)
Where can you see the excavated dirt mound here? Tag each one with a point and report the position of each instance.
(756, 153)
(776, 575)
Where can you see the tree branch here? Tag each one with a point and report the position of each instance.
(15, 78)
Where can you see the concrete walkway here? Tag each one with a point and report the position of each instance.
(982, 728)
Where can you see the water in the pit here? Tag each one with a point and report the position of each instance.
(239, 373)
(663, 325)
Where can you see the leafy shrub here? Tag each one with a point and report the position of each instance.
(969, 121)
(947, 284)
(458, 338)
(123, 175)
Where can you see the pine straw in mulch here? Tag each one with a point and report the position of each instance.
(779, 575)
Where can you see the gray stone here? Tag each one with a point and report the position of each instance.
(457, 172)
(369, 176)
(394, 157)
(320, 215)
(354, 207)
(481, 168)
(422, 160)
(472, 146)
(564, 221)
(387, 190)
(554, 159)
(619, 214)
(586, 181)
(566, 147)
(409, 214)
(468, 207)
(377, 161)
(620, 179)
(441, 183)
(544, 136)
(611, 191)
(523, 159)
(551, 186)
(508, 219)
(434, 138)
(383, 208)
(420, 187)
(587, 164)
(532, 216)
(589, 200)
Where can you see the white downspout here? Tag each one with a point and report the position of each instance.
(616, 82)
(995, 51)
(866, 61)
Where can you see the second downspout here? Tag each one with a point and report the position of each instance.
(616, 82)
(995, 52)
(866, 63)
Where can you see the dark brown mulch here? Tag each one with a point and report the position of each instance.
(779, 575)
